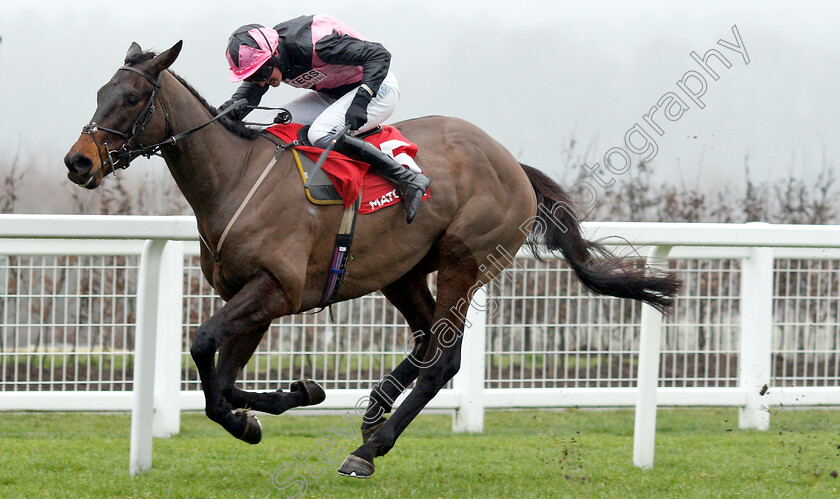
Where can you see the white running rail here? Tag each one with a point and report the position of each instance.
(156, 396)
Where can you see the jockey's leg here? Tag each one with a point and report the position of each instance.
(331, 119)
(306, 108)
(412, 185)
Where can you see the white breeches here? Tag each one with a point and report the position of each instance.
(326, 116)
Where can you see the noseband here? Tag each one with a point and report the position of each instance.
(113, 157)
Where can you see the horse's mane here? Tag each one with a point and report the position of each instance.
(232, 126)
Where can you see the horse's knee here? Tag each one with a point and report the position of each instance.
(437, 376)
(204, 344)
(451, 367)
(447, 367)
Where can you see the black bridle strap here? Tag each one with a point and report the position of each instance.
(145, 116)
(154, 82)
(153, 149)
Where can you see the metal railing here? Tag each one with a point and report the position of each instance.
(92, 306)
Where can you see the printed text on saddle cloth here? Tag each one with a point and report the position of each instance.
(350, 176)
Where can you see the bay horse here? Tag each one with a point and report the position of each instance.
(276, 256)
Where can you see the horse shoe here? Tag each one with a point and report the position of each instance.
(252, 433)
(356, 467)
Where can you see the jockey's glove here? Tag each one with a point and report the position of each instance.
(357, 116)
(235, 115)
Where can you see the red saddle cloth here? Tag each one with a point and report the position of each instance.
(350, 176)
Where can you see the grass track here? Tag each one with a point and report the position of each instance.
(571, 453)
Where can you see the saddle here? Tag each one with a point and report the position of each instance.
(320, 189)
(342, 180)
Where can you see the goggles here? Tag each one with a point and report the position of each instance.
(261, 75)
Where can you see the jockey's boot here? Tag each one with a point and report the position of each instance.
(411, 185)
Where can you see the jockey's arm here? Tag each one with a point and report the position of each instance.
(375, 61)
(345, 50)
(252, 92)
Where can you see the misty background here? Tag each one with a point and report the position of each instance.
(558, 83)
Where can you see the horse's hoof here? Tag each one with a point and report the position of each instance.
(314, 393)
(367, 432)
(356, 467)
(253, 429)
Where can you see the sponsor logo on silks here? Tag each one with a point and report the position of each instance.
(384, 199)
(308, 79)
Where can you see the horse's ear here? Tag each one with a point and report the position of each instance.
(167, 57)
(133, 51)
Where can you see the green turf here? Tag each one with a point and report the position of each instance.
(572, 453)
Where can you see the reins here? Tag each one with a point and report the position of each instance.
(154, 149)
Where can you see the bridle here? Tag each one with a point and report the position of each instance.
(114, 156)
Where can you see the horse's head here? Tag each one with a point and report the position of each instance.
(125, 118)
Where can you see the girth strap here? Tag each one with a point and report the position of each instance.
(217, 253)
(341, 253)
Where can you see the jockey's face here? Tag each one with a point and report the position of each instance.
(274, 80)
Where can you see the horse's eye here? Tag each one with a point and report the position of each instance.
(132, 100)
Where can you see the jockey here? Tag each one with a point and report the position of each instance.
(351, 81)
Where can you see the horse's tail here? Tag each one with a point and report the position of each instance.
(558, 229)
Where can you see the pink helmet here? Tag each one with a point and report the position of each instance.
(249, 47)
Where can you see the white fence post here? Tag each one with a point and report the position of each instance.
(142, 411)
(469, 382)
(650, 337)
(756, 336)
(167, 418)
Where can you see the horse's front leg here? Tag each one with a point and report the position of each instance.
(234, 355)
(258, 302)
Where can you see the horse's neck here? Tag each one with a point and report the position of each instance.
(206, 164)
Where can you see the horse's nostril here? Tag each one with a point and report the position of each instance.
(78, 163)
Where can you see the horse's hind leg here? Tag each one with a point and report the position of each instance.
(251, 309)
(411, 296)
(233, 355)
(457, 274)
